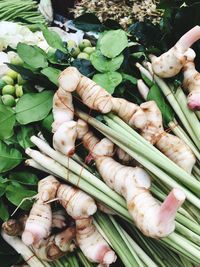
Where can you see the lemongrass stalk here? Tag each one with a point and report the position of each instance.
(174, 104)
(68, 176)
(72, 260)
(144, 148)
(115, 239)
(22, 249)
(140, 252)
(198, 114)
(138, 151)
(189, 114)
(84, 260)
(178, 131)
(119, 230)
(185, 262)
(72, 165)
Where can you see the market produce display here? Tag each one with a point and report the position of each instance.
(99, 136)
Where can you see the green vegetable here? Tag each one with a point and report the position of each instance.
(18, 90)
(108, 80)
(9, 157)
(32, 56)
(24, 177)
(7, 79)
(33, 107)
(8, 90)
(75, 51)
(85, 43)
(24, 134)
(89, 50)
(104, 64)
(8, 100)
(22, 192)
(20, 80)
(83, 56)
(53, 39)
(7, 122)
(2, 84)
(13, 74)
(47, 122)
(4, 214)
(113, 43)
(16, 61)
(52, 74)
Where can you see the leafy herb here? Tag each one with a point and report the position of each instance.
(4, 214)
(47, 122)
(9, 157)
(22, 192)
(129, 78)
(104, 64)
(33, 107)
(24, 177)
(53, 39)
(84, 66)
(113, 43)
(52, 74)
(7, 122)
(24, 134)
(32, 56)
(156, 95)
(88, 22)
(108, 80)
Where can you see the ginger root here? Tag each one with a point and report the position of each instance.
(191, 83)
(171, 62)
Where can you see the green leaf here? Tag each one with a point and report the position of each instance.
(7, 122)
(108, 81)
(113, 43)
(23, 136)
(2, 188)
(88, 22)
(15, 193)
(32, 56)
(52, 74)
(129, 78)
(104, 64)
(4, 215)
(156, 95)
(24, 177)
(53, 39)
(9, 157)
(33, 107)
(47, 122)
(84, 66)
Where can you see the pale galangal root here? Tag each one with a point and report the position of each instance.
(56, 245)
(152, 218)
(93, 245)
(171, 146)
(63, 127)
(191, 83)
(39, 222)
(77, 203)
(170, 63)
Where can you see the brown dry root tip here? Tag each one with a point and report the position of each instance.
(134, 185)
(47, 188)
(170, 63)
(63, 109)
(64, 138)
(175, 149)
(15, 227)
(38, 224)
(143, 89)
(191, 82)
(77, 203)
(123, 156)
(94, 96)
(129, 112)
(56, 245)
(92, 244)
(69, 79)
(105, 209)
(59, 219)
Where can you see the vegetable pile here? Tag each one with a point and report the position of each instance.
(99, 147)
